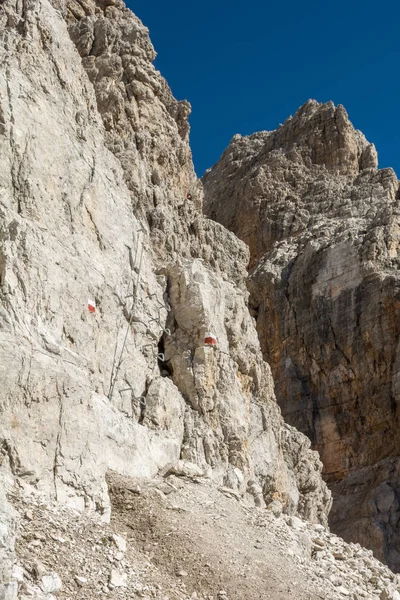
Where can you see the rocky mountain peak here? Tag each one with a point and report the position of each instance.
(301, 181)
(318, 134)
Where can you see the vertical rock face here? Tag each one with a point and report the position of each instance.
(110, 277)
(323, 226)
(147, 130)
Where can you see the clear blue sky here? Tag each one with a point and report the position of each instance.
(247, 65)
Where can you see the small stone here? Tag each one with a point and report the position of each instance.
(336, 581)
(296, 523)
(344, 591)
(80, 580)
(118, 579)
(51, 583)
(181, 573)
(58, 538)
(38, 569)
(18, 573)
(28, 515)
(119, 542)
(35, 543)
(119, 556)
(276, 508)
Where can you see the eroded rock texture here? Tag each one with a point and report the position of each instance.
(99, 204)
(147, 130)
(323, 226)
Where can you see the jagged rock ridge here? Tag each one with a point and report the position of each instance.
(323, 226)
(99, 205)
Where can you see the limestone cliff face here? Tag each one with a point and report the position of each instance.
(323, 226)
(147, 130)
(99, 205)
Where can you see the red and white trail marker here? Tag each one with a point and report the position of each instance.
(210, 339)
(91, 306)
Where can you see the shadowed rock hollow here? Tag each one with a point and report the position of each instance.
(323, 226)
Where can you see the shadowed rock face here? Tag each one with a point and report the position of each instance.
(323, 226)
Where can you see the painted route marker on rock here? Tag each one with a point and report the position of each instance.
(91, 306)
(210, 339)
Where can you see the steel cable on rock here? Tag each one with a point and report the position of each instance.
(114, 375)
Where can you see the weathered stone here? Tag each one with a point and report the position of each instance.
(118, 578)
(38, 569)
(51, 583)
(120, 542)
(343, 591)
(18, 573)
(275, 507)
(181, 573)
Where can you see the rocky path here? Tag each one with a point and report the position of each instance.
(180, 539)
(209, 540)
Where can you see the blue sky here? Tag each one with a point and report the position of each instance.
(247, 65)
